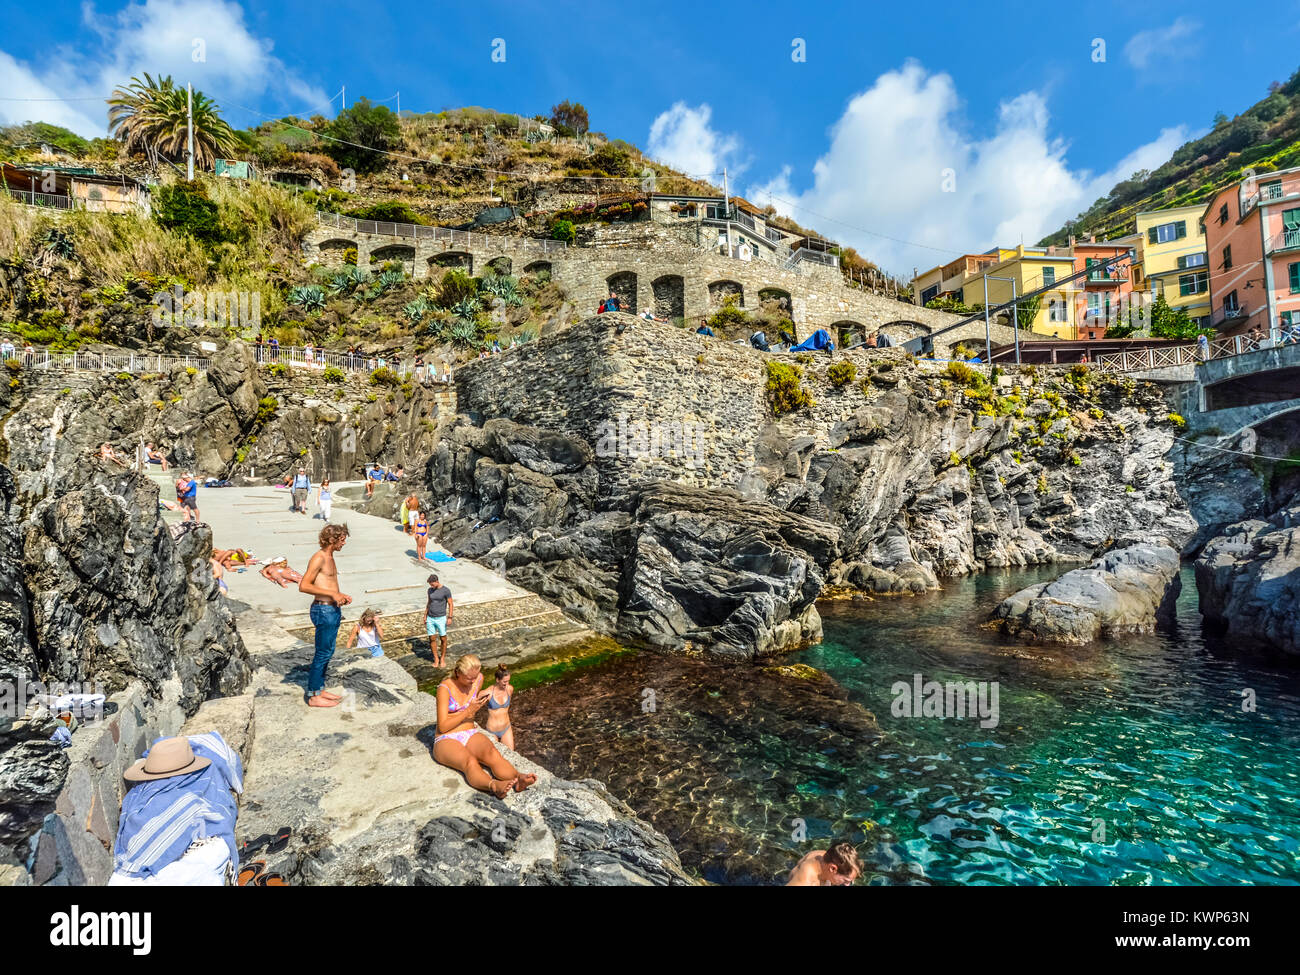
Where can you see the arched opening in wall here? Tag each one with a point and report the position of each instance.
(623, 284)
(501, 265)
(778, 298)
(720, 291)
(402, 253)
(900, 332)
(669, 296)
(332, 250)
(848, 333)
(538, 269)
(459, 259)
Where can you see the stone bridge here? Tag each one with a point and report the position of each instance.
(671, 278)
(1232, 393)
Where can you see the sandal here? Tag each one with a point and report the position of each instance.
(252, 846)
(270, 880)
(281, 840)
(249, 873)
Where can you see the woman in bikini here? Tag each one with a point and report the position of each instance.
(498, 719)
(421, 533)
(461, 745)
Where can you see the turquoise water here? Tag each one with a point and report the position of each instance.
(1130, 763)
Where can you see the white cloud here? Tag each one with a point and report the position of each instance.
(880, 186)
(1174, 41)
(158, 37)
(683, 138)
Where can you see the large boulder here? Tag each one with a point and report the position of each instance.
(1125, 591)
(1248, 580)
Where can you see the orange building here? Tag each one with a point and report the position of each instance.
(1101, 293)
(1252, 238)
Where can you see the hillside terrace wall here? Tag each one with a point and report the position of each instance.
(633, 258)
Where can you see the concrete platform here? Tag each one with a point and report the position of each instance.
(377, 566)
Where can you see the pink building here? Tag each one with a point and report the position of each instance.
(1099, 294)
(1252, 237)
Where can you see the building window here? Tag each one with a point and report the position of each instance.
(1056, 311)
(1227, 258)
(1230, 302)
(1272, 190)
(715, 211)
(1165, 232)
(929, 294)
(1049, 276)
(1193, 284)
(1092, 335)
(1223, 213)
(1293, 272)
(1191, 260)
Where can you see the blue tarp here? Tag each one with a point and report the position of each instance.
(819, 340)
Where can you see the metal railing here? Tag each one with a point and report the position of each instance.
(817, 257)
(52, 200)
(132, 362)
(1160, 357)
(458, 238)
(1284, 241)
(59, 201)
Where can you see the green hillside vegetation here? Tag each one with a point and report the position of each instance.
(1266, 137)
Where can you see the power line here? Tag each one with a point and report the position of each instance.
(1229, 450)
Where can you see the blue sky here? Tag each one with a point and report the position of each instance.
(913, 138)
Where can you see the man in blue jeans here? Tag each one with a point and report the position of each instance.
(321, 580)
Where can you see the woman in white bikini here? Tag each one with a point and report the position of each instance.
(367, 634)
(325, 498)
(460, 743)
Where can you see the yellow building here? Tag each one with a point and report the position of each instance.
(1172, 249)
(1030, 267)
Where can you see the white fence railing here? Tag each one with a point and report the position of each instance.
(458, 238)
(1160, 357)
(132, 362)
(313, 358)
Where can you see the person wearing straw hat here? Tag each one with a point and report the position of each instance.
(171, 756)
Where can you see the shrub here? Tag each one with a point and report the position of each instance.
(1042, 483)
(185, 207)
(456, 286)
(279, 370)
(383, 376)
(785, 390)
(391, 211)
(842, 373)
(563, 230)
(964, 375)
(332, 374)
(1176, 420)
(266, 408)
(350, 256)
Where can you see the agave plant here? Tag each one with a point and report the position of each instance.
(464, 333)
(58, 242)
(151, 116)
(347, 279)
(417, 309)
(505, 287)
(466, 309)
(525, 335)
(309, 296)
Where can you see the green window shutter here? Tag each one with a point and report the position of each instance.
(1181, 230)
(1151, 236)
(1291, 219)
(1293, 272)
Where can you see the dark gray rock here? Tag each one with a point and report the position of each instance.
(1248, 580)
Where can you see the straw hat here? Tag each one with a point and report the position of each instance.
(171, 756)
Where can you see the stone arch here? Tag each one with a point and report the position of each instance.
(623, 284)
(669, 294)
(502, 265)
(394, 252)
(335, 244)
(779, 295)
(461, 259)
(538, 267)
(901, 331)
(847, 332)
(719, 291)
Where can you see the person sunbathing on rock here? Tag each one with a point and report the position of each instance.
(232, 558)
(465, 747)
(498, 718)
(278, 571)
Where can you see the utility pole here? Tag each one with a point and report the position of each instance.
(345, 96)
(399, 104)
(189, 131)
(726, 198)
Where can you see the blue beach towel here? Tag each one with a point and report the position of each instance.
(440, 557)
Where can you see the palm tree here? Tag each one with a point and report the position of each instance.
(149, 116)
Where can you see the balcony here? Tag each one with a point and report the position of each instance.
(1228, 317)
(1111, 279)
(1287, 240)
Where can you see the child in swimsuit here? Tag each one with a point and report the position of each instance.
(421, 534)
(498, 716)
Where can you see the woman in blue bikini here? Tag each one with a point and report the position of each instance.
(463, 745)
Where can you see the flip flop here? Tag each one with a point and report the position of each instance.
(252, 846)
(270, 880)
(249, 873)
(281, 840)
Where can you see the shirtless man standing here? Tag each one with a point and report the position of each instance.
(321, 580)
(837, 867)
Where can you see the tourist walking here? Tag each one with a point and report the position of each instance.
(301, 488)
(325, 499)
(1203, 346)
(438, 610)
(321, 581)
(465, 747)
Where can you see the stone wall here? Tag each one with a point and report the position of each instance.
(644, 260)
